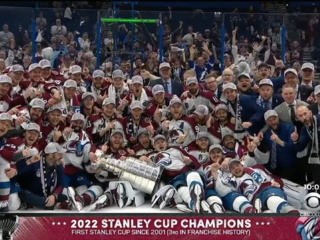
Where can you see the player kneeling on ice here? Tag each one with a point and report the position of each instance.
(80, 151)
(120, 192)
(42, 178)
(231, 200)
(180, 171)
(258, 186)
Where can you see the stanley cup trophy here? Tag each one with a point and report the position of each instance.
(140, 175)
(8, 226)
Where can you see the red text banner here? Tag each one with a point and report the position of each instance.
(157, 228)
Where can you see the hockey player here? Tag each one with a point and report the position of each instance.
(122, 192)
(20, 149)
(180, 172)
(160, 101)
(138, 93)
(195, 96)
(118, 88)
(98, 87)
(16, 74)
(76, 75)
(52, 127)
(257, 184)
(45, 179)
(231, 200)
(181, 129)
(79, 151)
(144, 144)
(199, 148)
(49, 75)
(222, 120)
(100, 126)
(6, 122)
(69, 103)
(133, 123)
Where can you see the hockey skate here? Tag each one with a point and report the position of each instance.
(197, 196)
(258, 205)
(120, 196)
(75, 198)
(166, 196)
(217, 208)
(4, 206)
(105, 200)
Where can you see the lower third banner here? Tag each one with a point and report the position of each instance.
(162, 228)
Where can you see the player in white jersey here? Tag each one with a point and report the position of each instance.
(79, 151)
(180, 170)
(257, 185)
(232, 200)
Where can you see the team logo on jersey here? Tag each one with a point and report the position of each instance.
(147, 120)
(163, 159)
(174, 134)
(145, 103)
(203, 158)
(122, 152)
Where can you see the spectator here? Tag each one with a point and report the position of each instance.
(41, 21)
(5, 36)
(58, 30)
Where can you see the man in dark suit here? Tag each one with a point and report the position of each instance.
(171, 87)
(315, 107)
(267, 98)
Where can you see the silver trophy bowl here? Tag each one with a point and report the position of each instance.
(140, 175)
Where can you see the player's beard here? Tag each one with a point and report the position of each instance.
(77, 129)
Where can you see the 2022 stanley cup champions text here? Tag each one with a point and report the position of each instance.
(166, 227)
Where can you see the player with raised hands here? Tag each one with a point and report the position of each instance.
(256, 184)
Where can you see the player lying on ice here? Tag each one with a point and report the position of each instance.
(256, 184)
(232, 200)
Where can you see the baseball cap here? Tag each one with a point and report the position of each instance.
(117, 131)
(201, 110)
(70, 84)
(234, 160)
(291, 70)
(229, 86)
(6, 117)
(44, 63)
(108, 101)
(54, 107)
(215, 146)
(87, 94)
(16, 68)
(175, 100)
(270, 113)
(317, 90)
(98, 73)
(220, 106)
(117, 74)
(75, 69)
(265, 81)
(143, 131)
(77, 117)
(157, 89)
(307, 66)
(33, 127)
(226, 132)
(164, 65)
(246, 75)
(33, 66)
(5, 79)
(37, 103)
(158, 137)
(191, 80)
(202, 135)
(53, 148)
(136, 104)
(137, 79)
